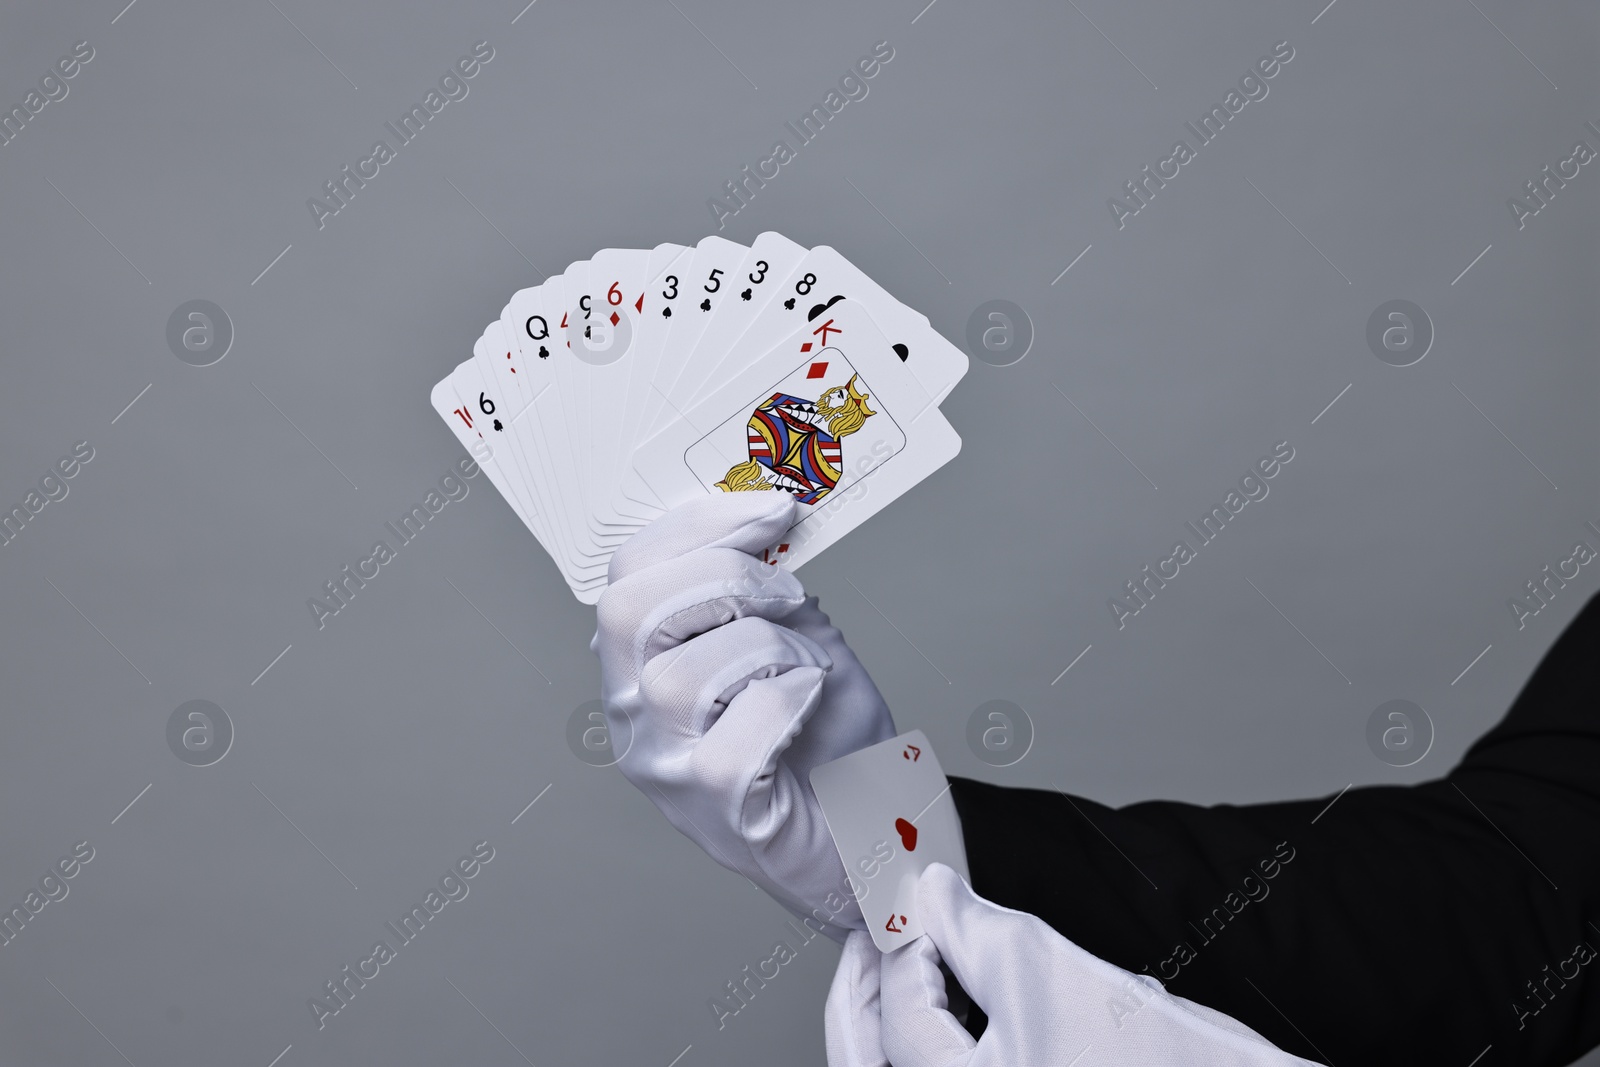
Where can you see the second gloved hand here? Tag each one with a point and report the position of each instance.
(727, 684)
(1048, 1001)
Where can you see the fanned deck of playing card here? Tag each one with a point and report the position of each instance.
(643, 378)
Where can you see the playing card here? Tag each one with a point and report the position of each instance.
(472, 406)
(582, 347)
(890, 813)
(706, 284)
(830, 416)
(756, 282)
(824, 276)
(459, 401)
(513, 422)
(692, 290)
(650, 320)
(502, 400)
(546, 436)
(457, 414)
(571, 393)
(525, 333)
(603, 361)
(663, 293)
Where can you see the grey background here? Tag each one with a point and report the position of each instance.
(1194, 339)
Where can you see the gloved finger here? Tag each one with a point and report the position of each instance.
(918, 1030)
(863, 717)
(744, 690)
(988, 948)
(779, 821)
(658, 607)
(688, 688)
(735, 698)
(738, 756)
(851, 1021)
(692, 685)
(748, 522)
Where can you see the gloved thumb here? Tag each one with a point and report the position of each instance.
(692, 687)
(917, 1028)
(748, 522)
(851, 1018)
(986, 946)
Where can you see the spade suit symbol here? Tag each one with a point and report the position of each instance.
(817, 309)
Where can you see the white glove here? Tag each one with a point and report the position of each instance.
(727, 685)
(1049, 1002)
(852, 1016)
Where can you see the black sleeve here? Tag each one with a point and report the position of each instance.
(1452, 922)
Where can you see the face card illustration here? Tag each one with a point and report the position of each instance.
(804, 437)
(889, 811)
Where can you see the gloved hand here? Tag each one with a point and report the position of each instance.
(1048, 1001)
(727, 685)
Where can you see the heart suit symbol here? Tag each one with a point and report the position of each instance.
(908, 834)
